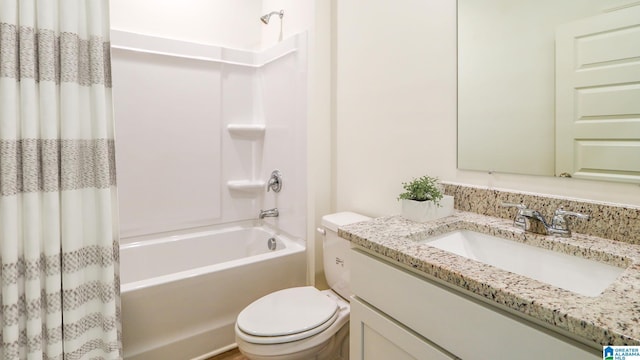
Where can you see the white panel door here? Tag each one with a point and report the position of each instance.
(598, 97)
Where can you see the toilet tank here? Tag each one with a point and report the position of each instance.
(336, 251)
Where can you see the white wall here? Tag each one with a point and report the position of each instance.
(319, 136)
(396, 109)
(226, 23)
(396, 98)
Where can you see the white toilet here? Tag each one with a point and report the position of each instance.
(304, 322)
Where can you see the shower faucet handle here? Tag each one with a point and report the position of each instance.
(275, 181)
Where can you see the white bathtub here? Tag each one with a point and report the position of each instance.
(181, 294)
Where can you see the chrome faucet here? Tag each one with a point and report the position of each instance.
(532, 221)
(269, 213)
(560, 225)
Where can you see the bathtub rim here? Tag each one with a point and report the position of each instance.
(127, 240)
(292, 246)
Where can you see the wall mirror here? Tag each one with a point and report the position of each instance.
(550, 88)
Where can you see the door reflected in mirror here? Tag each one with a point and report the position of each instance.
(550, 88)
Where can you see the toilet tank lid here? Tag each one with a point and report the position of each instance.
(333, 221)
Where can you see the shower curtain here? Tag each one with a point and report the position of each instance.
(58, 224)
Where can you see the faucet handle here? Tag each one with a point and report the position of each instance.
(519, 220)
(520, 206)
(275, 181)
(523, 210)
(559, 223)
(561, 212)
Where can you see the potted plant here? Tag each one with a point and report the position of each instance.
(423, 200)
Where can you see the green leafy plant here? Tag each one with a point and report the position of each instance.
(422, 189)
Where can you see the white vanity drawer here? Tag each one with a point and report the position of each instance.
(382, 338)
(464, 327)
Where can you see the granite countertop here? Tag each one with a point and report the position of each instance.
(612, 318)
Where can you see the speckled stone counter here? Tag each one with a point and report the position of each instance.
(613, 318)
(607, 220)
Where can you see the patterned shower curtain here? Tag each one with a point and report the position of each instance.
(58, 223)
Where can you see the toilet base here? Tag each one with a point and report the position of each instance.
(335, 348)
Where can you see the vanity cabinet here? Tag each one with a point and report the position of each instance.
(398, 314)
(381, 338)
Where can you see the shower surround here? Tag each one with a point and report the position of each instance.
(199, 130)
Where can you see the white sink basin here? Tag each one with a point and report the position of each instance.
(582, 276)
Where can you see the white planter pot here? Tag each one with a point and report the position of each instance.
(422, 211)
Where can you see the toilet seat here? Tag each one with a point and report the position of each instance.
(287, 315)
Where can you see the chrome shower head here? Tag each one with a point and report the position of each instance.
(265, 18)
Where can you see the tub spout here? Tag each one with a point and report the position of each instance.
(269, 213)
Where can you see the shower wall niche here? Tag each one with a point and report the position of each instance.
(199, 128)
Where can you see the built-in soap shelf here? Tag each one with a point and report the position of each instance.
(253, 132)
(247, 131)
(251, 186)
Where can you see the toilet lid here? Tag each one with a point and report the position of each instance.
(287, 312)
